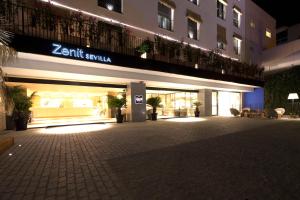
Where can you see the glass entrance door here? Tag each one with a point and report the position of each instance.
(227, 100)
(214, 103)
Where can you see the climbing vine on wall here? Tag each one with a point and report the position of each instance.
(279, 85)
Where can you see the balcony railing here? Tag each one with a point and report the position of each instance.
(46, 22)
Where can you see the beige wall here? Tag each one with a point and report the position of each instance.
(256, 40)
(143, 13)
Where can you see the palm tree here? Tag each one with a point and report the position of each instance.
(197, 104)
(117, 103)
(154, 102)
(6, 52)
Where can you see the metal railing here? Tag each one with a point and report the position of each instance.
(50, 23)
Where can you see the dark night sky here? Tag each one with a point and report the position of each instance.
(285, 12)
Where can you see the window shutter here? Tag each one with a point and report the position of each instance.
(221, 34)
(193, 16)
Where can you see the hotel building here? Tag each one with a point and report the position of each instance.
(74, 54)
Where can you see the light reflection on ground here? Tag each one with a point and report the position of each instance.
(188, 119)
(75, 129)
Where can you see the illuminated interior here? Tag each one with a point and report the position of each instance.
(227, 100)
(174, 103)
(65, 104)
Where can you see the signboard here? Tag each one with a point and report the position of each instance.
(138, 99)
(78, 53)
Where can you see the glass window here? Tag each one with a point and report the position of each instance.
(227, 100)
(221, 45)
(221, 37)
(165, 16)
(268, 33)
(237, 45)
(214, 103)
(193, 29)
(113, 5)
(236, 19)
(221, 10)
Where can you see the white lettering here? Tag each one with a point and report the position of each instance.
(58, 49)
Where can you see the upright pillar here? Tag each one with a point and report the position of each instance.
(2, 111)
(136, 102)
(205, 97)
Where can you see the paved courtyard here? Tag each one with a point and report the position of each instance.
(218, 158)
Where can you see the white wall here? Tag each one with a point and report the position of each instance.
(256, 40)
(282, 56)
(143, 13)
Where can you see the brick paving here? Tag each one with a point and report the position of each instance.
(221, 158)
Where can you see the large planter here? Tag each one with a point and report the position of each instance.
(197, 113)
(154, 116)
(10, 123)
(21, 123)
(119, 118)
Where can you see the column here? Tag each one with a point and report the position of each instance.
(205, 97)
(136, 102)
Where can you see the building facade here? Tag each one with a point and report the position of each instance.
(260, 33)
(74, 54)
(288, 34)
(287, 52)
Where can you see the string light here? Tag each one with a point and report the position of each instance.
(110, 20)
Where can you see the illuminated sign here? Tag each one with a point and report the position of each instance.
(139, 99)
(78, 53)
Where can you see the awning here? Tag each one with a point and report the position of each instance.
(221, 34)
(237, 9)
(169, 3)
(225, 2)
(235, 35)
(193, 16)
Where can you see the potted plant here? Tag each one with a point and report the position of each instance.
(154, 102)
(145, 48)
(22, 104)
(9, 94)
(118, 103)
(197, 104)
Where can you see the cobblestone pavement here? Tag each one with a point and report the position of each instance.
(220, 158)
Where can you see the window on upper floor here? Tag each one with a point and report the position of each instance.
(193, 21)
(221, 9)
(193, 29)
(165, 16)
(196, 2)
(252, 24)
(237, 15)
(237, 44)
(268, 33)
(221, 37)
(112, 5)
